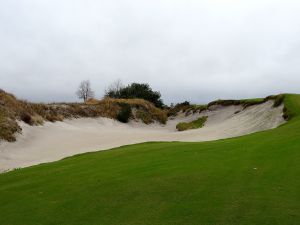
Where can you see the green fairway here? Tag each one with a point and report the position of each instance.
(250, 180)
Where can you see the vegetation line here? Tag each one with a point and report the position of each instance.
(134, 101)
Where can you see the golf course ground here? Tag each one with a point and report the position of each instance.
(249, 180)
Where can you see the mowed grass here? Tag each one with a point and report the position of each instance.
(241, 181)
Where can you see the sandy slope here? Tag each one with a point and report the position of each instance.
(54, 141)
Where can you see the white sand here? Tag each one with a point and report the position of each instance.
(54, 141)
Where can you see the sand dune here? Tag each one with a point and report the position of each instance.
(54, 141)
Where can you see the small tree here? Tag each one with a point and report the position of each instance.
(84, 90)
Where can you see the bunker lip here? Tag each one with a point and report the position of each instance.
(55, 141)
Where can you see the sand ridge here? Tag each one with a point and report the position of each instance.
(54, 141)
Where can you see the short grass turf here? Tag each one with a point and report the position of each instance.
(241, 181)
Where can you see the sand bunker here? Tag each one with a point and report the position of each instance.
(54, 141)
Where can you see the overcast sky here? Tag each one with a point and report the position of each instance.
(197, 50)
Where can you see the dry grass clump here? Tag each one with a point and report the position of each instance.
(8, 124)
(143, 116)
(8, 127)
(92, 101)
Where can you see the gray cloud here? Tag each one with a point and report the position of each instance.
(194, 50)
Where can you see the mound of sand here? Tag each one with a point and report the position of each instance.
(54, 141)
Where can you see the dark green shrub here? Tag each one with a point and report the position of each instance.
(185, 103)
(286, 115)
(278, 100)
(125, 113)
(26, 118)
(136, 90)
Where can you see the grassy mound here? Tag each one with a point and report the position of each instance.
(12, 110)
(248, 180)
(198, 123)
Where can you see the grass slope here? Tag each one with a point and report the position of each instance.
(248, 180)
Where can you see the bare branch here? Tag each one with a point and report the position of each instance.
(115, 88)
